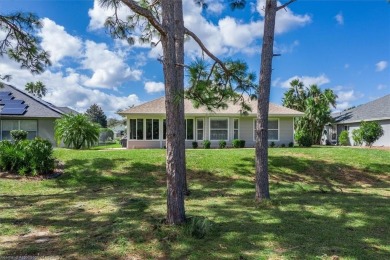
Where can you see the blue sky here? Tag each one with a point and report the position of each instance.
(342, 45)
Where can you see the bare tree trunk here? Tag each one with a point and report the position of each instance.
(174, 104)
(179, 45)
(262, 181)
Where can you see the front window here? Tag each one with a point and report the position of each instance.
(189, 129)
(30, 126)
(273, 129)
(152, 129)
(235, 129)
(219, 129)
(199, 128)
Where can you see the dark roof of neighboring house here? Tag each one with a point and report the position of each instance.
(157, 106)
(375, 110)
(68, 110)
(36, 107)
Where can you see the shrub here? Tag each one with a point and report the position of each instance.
(242, 143)
(272, 144)
(222, 144)
(76, 131)
(357, 137)
(194, 145)
(303, 139)
(27, 156)
(206, 144)
(236, 143)
(290, 144)
(282, 145)
(198, 227)
(343, 138)
(371, 132)
(18, 135)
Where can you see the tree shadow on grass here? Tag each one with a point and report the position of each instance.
(112, 209)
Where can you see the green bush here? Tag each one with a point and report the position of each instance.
(344, 138)
(206, 144)
(236, 143)
(357, 136)
(18, 135)
(272, 144)
(198, 227)
(27, 156)
(222, 144)
(242, 143)
(371, 132)
(290, 144)
(303, 139)
(194, 145)
(282, 145)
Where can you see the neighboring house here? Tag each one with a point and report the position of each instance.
(20, 110)
(146, 126)
(376, 110)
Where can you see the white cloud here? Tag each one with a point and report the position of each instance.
(381, 86)
(66, 89)
(58, 42)
(345, 96)
(339, 18)
(99, 14)
(380, 66)
(284, 48)
(217, 37)
(307, 81)
(109, 68)
(153, 87)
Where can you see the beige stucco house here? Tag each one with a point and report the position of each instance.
(146, 125)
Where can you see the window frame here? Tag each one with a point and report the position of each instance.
(152, 129)
(193, 129)
(136, 129)
(238, 128)
(19, 128)
(228, 130)
(197, 129)
(269, 119)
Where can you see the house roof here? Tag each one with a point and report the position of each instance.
(157, 106)
(36, 107)
(378, 109)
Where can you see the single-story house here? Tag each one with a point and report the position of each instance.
(20, 110)
(146, 124)
(376, 110)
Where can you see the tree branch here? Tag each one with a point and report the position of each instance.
(285, 5)
(201, 45)
(133, 5)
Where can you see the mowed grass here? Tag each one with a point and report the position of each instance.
(327, 203)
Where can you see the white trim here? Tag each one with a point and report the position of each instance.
(219, 118)
(269, 119)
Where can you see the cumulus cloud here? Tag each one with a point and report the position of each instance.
(380, 66)
(226, 36)
(339, 18)
(58, 42)
(345, 96)
(109, 68)
(66, 89)
(307, 81)
(99, 14)
(154, 87)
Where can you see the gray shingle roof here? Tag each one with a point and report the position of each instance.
(378, 109)
(157, 106)
(37, 108)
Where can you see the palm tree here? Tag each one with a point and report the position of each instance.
(38, 89)
(76, 131)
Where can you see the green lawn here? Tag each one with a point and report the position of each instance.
(326, 203)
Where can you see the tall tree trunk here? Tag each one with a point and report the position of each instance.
(174, 105)
(179, 45)
(262, 181)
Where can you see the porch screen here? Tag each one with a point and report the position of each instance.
(219, 129)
